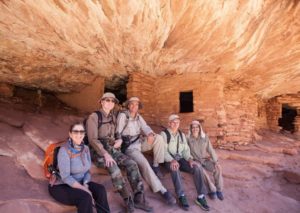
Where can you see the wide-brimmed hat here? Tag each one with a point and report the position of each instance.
(109, 95)
(133, 99)
(173, 117)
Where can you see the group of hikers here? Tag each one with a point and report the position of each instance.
(118, 142)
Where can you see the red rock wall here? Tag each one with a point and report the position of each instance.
(86, 99)
(6, 90)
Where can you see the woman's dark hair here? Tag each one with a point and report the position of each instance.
(75, 124)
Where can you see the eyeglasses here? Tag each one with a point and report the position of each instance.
(109, 100)
(78, 131)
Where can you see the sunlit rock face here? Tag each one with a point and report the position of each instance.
(61, 46)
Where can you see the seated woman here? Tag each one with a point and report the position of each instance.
(74, 187)
(203, 152)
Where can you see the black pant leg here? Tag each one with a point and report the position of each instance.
(185, 166)
(100, 197)
(71, 196)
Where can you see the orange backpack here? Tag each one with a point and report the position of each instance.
(50, 160)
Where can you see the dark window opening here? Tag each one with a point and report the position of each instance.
(287, 118)
(117, 86)
(186, 102)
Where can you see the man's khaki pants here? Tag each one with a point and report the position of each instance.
(158, 157)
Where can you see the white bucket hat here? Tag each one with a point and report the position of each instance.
(133, 99)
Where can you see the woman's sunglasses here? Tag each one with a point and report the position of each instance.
(109, 100)
(78, 132)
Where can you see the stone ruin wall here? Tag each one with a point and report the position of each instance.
(274, 111)
(229, 115)
(241, 108)
(143, 86)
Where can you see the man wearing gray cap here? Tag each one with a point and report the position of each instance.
(105, 153)
(178, 157)
(131, 126)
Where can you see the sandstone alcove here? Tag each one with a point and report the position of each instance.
(117, 85)
(234, 65)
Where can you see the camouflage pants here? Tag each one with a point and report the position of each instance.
(123, 162)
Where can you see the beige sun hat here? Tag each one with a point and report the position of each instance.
(195, 122)
(109, 95)
(133, 99)
(173, 117)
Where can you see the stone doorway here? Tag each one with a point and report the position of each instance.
(287, 120)
(186, 101)
(118, 86)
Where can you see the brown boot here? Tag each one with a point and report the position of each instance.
(126, 195)
(129, 205)
(140, 202)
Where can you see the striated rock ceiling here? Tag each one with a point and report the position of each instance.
(61, 45)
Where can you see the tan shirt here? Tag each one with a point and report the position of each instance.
(171, 148)
(202, 149)
(106, 130)
(132, 127)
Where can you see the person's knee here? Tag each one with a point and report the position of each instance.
(175, 172)
(131, 164)
(115, 171)
(159, 141)
(86, 198)
(198, 169)
(101, 188)
(219, 169)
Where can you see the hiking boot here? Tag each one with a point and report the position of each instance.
(220, 195)
(129, 205)
(157, 171)
(212, 195)
(184, 203)
(140, 202)
(202, 203)
(170, 200)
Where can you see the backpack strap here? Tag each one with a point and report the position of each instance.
(127, 121)
(168, 135)
(180, 134)
(99, 115)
